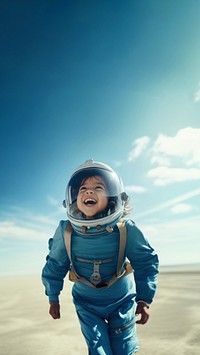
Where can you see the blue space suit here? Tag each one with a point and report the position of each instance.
(106, 314)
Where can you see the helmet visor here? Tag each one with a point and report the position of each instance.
(93, 193)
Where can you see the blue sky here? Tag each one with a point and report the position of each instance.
(115, 81)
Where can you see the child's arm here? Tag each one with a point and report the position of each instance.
(55, 270)
(144, 261)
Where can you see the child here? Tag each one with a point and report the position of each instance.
(99, 249)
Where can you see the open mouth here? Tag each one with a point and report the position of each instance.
(90, 202)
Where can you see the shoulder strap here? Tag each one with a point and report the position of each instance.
(73, 274)
(122, 244)
(67, 239)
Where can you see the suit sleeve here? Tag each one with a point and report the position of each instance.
(57, 265)
(144, 261)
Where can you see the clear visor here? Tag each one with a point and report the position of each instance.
(94, 193)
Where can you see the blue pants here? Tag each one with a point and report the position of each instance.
(109, 330)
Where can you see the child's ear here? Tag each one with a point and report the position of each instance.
(124, 196)
(64, 204)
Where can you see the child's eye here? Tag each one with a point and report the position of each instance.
(99, 187)
(82, 188)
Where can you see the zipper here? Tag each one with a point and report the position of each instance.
(94, 261)
(119, 330)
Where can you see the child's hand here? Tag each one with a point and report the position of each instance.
(142, 308)
(54, 310)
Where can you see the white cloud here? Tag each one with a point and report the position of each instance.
(160, 160)
(164, 175)
(181, 208)
(177, 157)
(185, 145)
(52, 201)
(176, 241)
(117, 163)
(139, 145)
(170, 203)
(197, 96)
(134, 188)
(20, 224)
(10, 229)
(179, 230)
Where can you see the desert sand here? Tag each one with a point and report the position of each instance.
(27, 329)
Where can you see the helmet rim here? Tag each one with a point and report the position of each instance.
(91, 166)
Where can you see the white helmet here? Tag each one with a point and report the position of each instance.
(115, 193)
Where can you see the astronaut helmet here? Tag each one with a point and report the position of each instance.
(95, 198)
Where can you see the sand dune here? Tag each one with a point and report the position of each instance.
(27, 329)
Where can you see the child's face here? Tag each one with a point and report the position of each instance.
(92, 196)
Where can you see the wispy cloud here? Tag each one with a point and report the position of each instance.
(181, 208)
(10, 229)
(184, 145)
(161, 161)
(139, 145)
(164, 175)
(177, 157)
(117, 163)
(176, 241)
(170, 203)
(24, 224)
(135, 188)
(174, 231)
(197, 94)
(52, 201)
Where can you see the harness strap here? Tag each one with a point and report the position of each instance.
(67, 236)
(73, 276)
(122, 244)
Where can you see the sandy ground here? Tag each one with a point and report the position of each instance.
(27, 329)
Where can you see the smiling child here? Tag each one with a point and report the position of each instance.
(100, 249)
